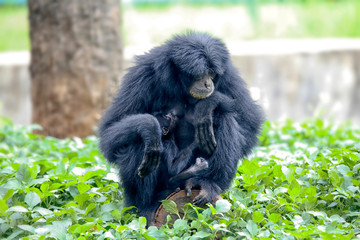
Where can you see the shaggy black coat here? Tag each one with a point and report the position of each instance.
(160, 80)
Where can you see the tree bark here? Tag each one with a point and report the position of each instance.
(76, 56)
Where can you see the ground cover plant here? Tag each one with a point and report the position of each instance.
(301, 182)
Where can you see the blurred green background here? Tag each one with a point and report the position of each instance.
(266, 19)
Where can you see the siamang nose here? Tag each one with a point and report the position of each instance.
(207, 83)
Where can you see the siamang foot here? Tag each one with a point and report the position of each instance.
(203, 198)
(205, 138)
(208, 191)
(150, 162)
(149, 214)
(200, 164)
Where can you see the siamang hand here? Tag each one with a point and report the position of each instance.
(204, 135)
(150, 162)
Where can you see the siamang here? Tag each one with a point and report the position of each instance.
(183, 117)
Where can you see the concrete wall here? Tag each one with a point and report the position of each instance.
(15, 98)
(289, 78)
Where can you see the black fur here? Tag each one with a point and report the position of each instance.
(159, 81)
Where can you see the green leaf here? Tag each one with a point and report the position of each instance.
(58, 229)
(294, 192)
(156, 233)
(201, 235)
(15, 234)
(122, 228)
(275, 217)
(83, 187)
(17, 209)
(334, 177)
(23, 173)
(180, 224)
(43, 211)
(8, 194)
(142, 222)
(170, 207)
(84, 227)
(90, 207)
(258, 217)
(27, 228)
(337, 218)
(32, 199)
(3, 207)
(108, 207)
(249, 167)
(92, 174)
(82, 198)
(343, 169)
(60, 168)
(252, 228)
(223, 206)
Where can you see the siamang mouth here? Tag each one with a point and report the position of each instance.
(201, 93)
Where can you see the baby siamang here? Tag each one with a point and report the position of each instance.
(183, 117)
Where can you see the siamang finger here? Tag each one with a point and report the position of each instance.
(188, 191)
(150, 162)
(210, 139)
(156, 162)
(213, 140)
(208, 144)
(211, 148)
(201, 133)
(141, 170)
(147, 164)
(202, 137)
(202, 198)
(188, 188)
(199, 200)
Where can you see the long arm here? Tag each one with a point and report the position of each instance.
(121, 134)
(235, 123)
(127, 121)
(203, 119)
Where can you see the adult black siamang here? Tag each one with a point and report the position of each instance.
(183, 117)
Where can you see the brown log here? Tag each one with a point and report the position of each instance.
(76, 56)
(180, 199)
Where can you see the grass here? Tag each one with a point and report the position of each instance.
(302, 182)
(14, 29)
(314, 19)
(332, 19)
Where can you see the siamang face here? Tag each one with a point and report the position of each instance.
(198, 59)
(202, 87)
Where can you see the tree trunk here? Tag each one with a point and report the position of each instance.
(76, 58)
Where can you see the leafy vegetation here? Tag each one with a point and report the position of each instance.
(301, 182)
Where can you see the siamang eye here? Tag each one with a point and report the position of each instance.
(212, 74)
(197, 78)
